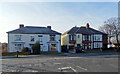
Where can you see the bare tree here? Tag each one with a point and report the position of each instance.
(106, 28)
(112, 28)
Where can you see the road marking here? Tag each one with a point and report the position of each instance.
(82, 68)
(57, 63)
(69, 57)
(73, 69)
(64, 68)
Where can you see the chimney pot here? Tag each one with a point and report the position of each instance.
(21, 25)
(49, 27)
(87, 25)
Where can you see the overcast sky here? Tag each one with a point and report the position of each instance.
(60, 15)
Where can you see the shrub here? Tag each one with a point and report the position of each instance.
(25, 49)
(36, 48)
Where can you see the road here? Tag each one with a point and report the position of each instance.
(61, 63)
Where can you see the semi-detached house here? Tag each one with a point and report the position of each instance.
(84, 36)
(27, 36)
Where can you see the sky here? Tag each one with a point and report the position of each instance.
(60, 15)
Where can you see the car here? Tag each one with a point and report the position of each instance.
(79, 49)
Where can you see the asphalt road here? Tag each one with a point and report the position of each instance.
(61, 63)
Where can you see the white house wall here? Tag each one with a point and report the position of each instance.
(26, 40)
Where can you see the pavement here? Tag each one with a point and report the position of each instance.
(65, 54)
(68, 62)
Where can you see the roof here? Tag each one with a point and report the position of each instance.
(83, 30)
(33, 30)
(72, 30)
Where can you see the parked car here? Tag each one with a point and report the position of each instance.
(79, 49)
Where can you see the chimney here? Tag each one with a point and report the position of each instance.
(75, 25)
(21, 25)
(49, 27)
(87, 25)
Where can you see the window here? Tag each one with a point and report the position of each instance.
(18, 47)
(86, 37)
(97, 37)
(83, 37)
(52, 37)
(89, 38)
(32, 38)
(97, 45)
(78, 36)
(72, 37)
(40, 38)
(18, 37)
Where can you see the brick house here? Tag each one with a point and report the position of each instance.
(84, 36)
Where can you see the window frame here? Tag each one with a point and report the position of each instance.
(72, 37)
(52, 37)
(18, 37)
(32, 38)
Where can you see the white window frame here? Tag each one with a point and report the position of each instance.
(97, 37)
(97, 45)
(18, 37)
(52, 36)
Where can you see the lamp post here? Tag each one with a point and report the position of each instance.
(16, 47)
(17, 53)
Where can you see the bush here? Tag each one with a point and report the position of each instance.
(25, 49)
(36, 48)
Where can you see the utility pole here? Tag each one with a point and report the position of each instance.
(17, 52)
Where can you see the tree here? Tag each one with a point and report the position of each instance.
(112, 28)
(4, 45)
(36, 48)
(106, 28)
(25, 49)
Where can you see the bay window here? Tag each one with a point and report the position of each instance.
(72, 37)
(97, 37)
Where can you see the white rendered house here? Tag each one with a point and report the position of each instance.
(49, 39)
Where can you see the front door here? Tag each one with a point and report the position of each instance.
(72, 49)
(53, 47)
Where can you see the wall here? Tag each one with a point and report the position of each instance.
(26, 40)
(65, 39)
(79, 40)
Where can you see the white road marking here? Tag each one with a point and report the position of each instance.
(82, 68)
(73, 69)
(64, 68)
